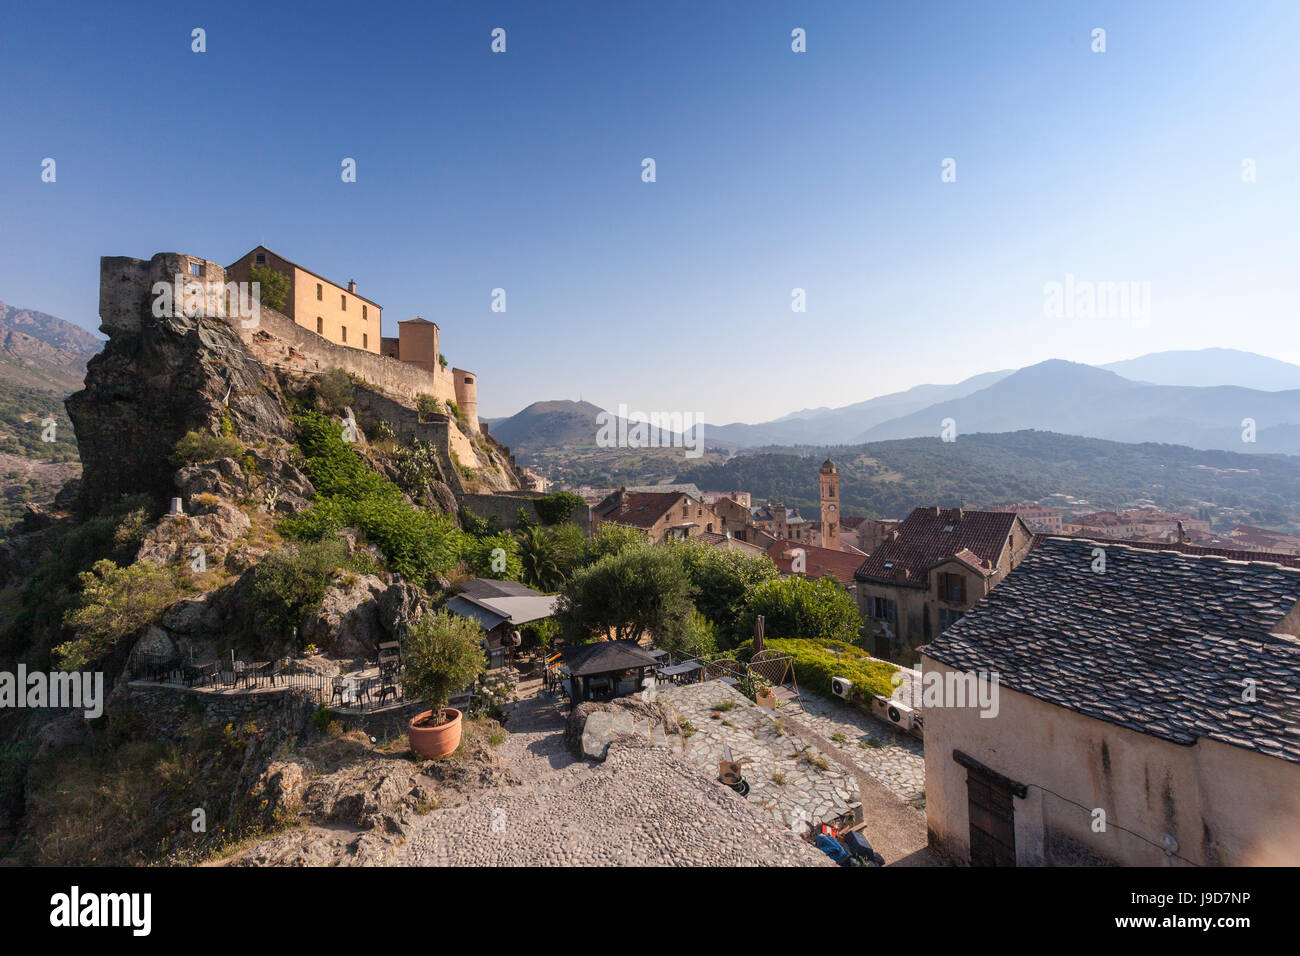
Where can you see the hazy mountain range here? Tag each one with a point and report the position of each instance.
(1195, 398)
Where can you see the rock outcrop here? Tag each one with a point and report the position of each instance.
(158, 378)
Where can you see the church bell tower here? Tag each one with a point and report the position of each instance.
(830, 496)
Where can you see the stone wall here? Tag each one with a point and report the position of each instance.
(165, 708)
(505, 507)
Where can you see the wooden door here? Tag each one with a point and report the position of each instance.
(992, 821)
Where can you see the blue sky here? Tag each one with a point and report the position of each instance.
(775, 170)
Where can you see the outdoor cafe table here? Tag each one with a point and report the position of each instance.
(680, 670)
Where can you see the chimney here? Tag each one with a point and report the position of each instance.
(352, 286)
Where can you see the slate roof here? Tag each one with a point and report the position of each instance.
(603, 657)
(1160, 643)
(930, 535)
(1236, 554)
(492, 602)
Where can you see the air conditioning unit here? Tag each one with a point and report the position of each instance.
(840, 687)
(894, 711)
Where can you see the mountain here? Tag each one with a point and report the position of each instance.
(1207, 367)
(42, 352)
(828, 426)
(549, 424)
(889, 478)
(42, 361)
(1082, 400)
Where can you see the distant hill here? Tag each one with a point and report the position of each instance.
(834, 425)
(1082, 400)
(889, 478)
(42, 361)
(549, 424)
(1208, 367)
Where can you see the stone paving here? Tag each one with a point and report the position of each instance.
(895, 758)
(785, 775)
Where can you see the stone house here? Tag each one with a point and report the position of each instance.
(660, 514)
(933, 568)
(1147, 714)
(340, 316)
(335, 312)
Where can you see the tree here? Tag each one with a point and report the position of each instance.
(274, 292)
(550, 555)
(556, 508)
(443, 654)
(335, 390)
(723, 581)
(291, 581)
(799, 607)
(613, 539)
(637, 592)
(114, 602)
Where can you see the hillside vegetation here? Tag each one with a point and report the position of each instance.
(889, 478)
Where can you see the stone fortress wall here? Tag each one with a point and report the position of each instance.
(126, 285)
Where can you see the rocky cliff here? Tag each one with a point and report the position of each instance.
(155, 380)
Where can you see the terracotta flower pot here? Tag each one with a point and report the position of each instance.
(435, 740)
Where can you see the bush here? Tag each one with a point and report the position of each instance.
(199, 446)
(799, 607)
(482, 557)
(815, 663)
(428, 405)
(335, 390)
(416, 542)
(556, 508)
(115, 602)
(274, 291)
(291, 581)
(443, 655)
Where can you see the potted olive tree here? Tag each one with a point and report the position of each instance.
(443, 654)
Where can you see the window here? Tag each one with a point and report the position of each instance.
(952, 587)
(947, 618)
(364, 316)
(365, 341)
(196, 269)
(345, 332)
(261, 258)
(343, 300)
(320, 293)
(882, 609)
(320, 325)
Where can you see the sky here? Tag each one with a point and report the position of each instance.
(775, 170)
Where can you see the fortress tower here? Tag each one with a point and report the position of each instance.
(830, 499)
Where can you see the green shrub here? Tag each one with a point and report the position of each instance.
(291, 581)
(443, 655)
(199, 446)
(428, 405)
(115, 602)
(556, 508)
(416, 542)
(815, 663)
(799, 607)
(335, 390)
